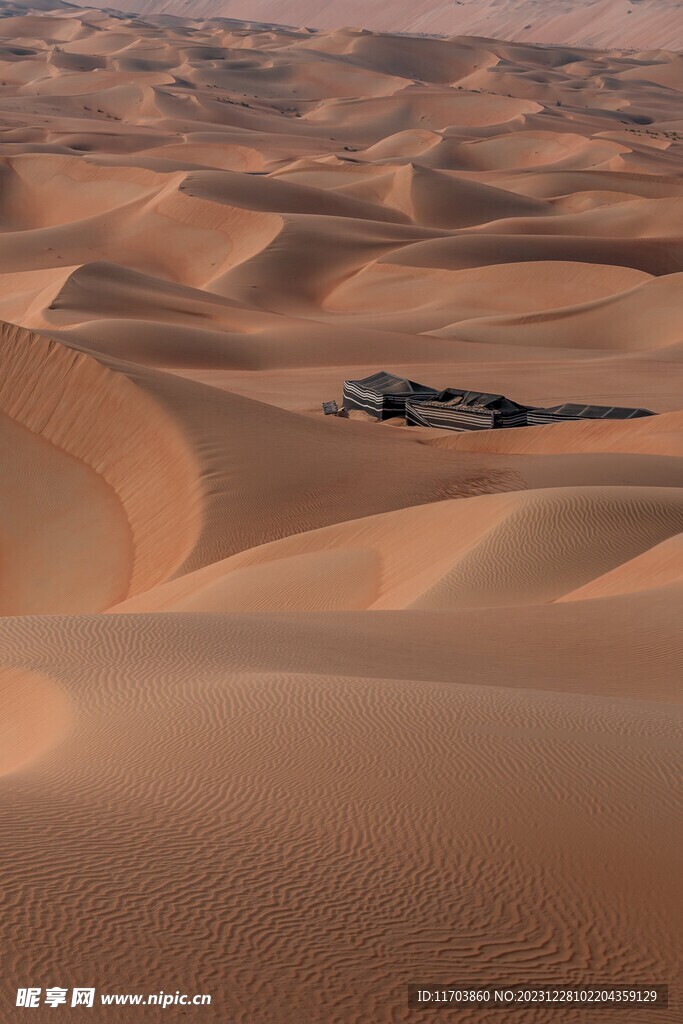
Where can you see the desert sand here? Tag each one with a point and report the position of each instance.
(637, 24)
(298, 710)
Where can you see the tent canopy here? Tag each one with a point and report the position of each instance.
(596, 412)
(452, 397)
(389, 384)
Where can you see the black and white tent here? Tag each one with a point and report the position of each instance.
(575, 411)
(453, 409)
(383, 394)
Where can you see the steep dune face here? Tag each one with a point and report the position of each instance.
(65, 541)
(297, 710)
(111, 504)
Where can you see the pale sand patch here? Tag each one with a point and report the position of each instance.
(35, 714)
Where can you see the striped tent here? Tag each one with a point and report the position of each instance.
(453, 409)
(383, 394)
(573, 411)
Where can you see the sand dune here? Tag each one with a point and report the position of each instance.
(661, 566)
(652, 23)
(645, 321)
(178, 718)
(296, 709)
(462, 555)
(98, 495)
(173, 463)
(436, 200)
(660, 436)
(428, 300)
(462, 251)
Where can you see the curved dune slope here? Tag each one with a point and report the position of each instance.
(308, 474)
(110, 505)
(65, 542)
(661, 566)
(435, 199)
(522, 548)
(58, 208)
(628, 321)
(426, 298)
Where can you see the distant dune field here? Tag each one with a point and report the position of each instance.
(636, 24)
(299, 710)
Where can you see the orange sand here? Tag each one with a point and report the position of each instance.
(638, 24)
(298, 710)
